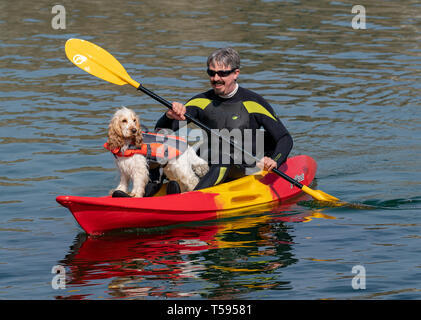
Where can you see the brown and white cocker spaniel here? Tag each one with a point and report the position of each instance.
(125, 132)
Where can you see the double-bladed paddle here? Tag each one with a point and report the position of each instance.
(98, 62)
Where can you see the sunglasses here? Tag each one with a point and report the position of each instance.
(221, 73)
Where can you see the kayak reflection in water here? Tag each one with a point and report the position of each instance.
(141, 264)
(230, 107)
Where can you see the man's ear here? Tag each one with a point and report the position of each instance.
(236, 74)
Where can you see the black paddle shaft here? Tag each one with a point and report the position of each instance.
(207, 129)
(195, 121)
(169, 106)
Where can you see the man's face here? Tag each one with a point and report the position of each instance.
(223, 85)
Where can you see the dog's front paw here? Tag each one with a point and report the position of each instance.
(200, 169)
(135, 194)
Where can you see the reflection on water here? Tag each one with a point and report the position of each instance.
(225, 259)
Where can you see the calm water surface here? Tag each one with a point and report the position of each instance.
(350, 99)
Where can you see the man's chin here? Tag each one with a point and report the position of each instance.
(219, 91)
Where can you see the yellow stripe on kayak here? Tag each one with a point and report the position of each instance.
(240, 193)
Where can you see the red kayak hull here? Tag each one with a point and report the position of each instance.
(97, 215)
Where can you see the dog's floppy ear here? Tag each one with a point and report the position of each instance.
(139, 137)
(115, 136)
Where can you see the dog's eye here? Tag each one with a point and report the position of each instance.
(124, 121)
(134, 120)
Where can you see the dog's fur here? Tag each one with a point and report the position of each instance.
(124, 130)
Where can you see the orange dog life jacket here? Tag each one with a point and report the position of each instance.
(156, 147)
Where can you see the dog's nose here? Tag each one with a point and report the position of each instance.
(134, 130)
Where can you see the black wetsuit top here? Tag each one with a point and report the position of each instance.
(245, 110)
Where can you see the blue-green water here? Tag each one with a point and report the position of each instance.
(350, 99)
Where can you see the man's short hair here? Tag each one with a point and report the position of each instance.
(225, 56)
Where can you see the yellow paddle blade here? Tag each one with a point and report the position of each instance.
(97, 61)
(319, 195)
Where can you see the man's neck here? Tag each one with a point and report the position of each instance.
(232, 93)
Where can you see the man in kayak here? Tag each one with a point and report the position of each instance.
(228, 106)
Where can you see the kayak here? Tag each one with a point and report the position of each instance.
(97, 215)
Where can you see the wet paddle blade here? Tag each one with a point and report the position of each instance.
(97, 61)
(331, 201)
(319, 195)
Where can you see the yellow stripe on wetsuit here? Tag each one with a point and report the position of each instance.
(254, 107)
(222, 171)
(251, 106)
(201, 103)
